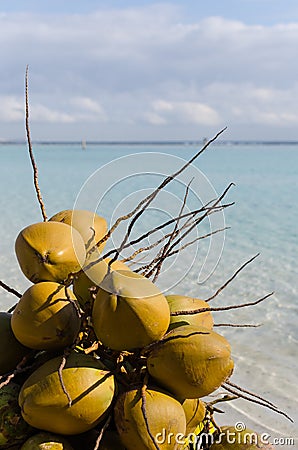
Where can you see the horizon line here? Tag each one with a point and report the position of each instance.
(149, 142)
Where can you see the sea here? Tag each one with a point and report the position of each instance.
(257, 215)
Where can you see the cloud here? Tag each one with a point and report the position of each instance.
(148, 71)
(181, 112)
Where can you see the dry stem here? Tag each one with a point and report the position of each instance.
(10, 290)
(232, 277)
(189, 229)
(60, 369)
(105, 426)
(222, 308)
(34, 166)
(143, 204)
(238, 325)
(265, 403)
(144, 412)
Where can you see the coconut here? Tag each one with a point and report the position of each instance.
(232, 439)
(73, 404)
(184, 303)
(45, 317)
(49, 251)
(11, 350)
(194, 410)
(93, 277)
(46, 441)
(13, 428)
(191, 362)
(90, 225)
(129, 311)
(165, 420)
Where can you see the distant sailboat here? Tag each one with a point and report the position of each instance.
(84, 145)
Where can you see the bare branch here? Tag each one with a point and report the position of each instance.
(10, 290)
(34, 166)
(238, 325)
(105, 426)
(191, 227)
(144, 412)
(254, 400)
(173, 234)
(221, 308)
(143, 205)
(232, 277)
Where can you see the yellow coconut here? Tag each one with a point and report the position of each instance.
(46, 441)
(46, 317)
(73, 407)
(232, 439)
(11, 350)
(129, 311)
(191, 362)
(165, 419)
(195, 410)
(49, 251)
(184, 303)
(90, 225)
(93, 277)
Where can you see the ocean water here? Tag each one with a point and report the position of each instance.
(112, 179)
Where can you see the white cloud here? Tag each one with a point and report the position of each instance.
(148, 69)
(183, 112)
(12, 109)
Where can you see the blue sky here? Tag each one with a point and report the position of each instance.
(250, 11)
(149, 69)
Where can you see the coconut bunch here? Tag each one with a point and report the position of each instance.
(95, 356)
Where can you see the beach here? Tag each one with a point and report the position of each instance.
(262, 220)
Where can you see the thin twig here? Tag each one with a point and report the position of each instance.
(238, 325)
(221, 308)
(144, 412)
(34, 166)
(232, 277)
(199, 238)
(20, 368)
(173, 234)
(250, 393)
(143, 205)
(147, 200)
(99, 438)
(73, 302)
(190, 214)
(60, 369)
(10, 290)
(258, 402)
(145, 269)
(190, 228)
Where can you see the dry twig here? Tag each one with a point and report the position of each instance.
(99, 438)
(143, 204)
(34, 166)
(10, 290)
(264, 403)
(221, 308)
(232, 277)
(144, 412)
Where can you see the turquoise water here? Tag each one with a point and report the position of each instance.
(264, 219)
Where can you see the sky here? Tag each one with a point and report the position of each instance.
(150, 70)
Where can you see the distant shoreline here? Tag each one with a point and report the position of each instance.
(163, 142)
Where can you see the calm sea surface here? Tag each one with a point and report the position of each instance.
(263, 220)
